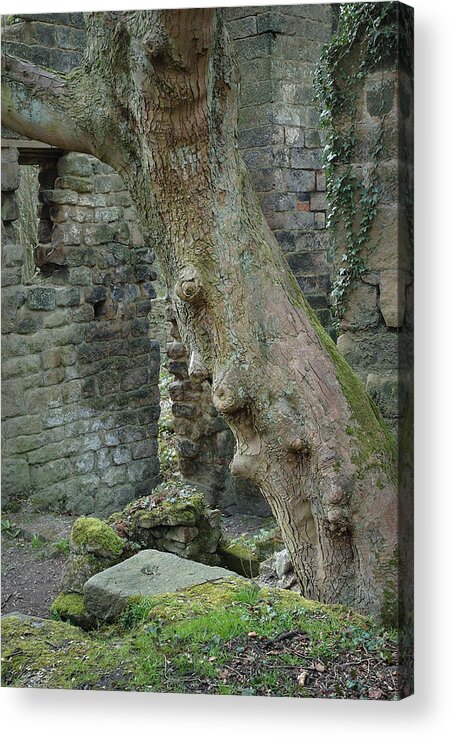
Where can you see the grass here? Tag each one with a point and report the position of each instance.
(242, 640)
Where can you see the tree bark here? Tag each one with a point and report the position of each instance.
(164, 116)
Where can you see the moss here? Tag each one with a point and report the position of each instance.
(81, 567)
(239, 557)
(372, 436)
(164, 637)
(32, 649)
(97, 537)
(196, 600)
(70, 607)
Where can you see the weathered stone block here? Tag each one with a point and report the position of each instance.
(108, 214)
(77, 184)
(390, 392)
(46, 474)
(392, 299)
(57, 318)
(10, 169)
(15, 478)
(121, 455)
(11, 277)
(295, 180)
(243, 27)
(361, 311)
(67, 234)
(20, 366)
(301, 158)
(318, 201)
(108, 183)
(27, 322)
(147, 573)
(379, 99)
(10, 207)
(54, 376)
(70, 38)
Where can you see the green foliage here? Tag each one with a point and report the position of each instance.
(9, 529)
(37, 542)
(369, 35)
(62, 547)
(196, 640)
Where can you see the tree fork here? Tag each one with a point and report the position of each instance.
(306, 432)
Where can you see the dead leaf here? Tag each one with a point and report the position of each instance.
(319, 666)
(374, 694)
(301, 678)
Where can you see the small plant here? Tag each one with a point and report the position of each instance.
(37, 542)
(9, 529)
(62, 547)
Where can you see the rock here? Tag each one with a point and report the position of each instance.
(70, 607)
(146, 574)
(240, 558)
(182, 534)
(94, 536)
(81, 567)
(282, 563)
(174, 519)
(278, 572)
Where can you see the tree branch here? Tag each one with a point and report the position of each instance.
(40, 105)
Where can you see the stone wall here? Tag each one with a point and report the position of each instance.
(80, 399)
(205, 443)
(278, 48)
(53, 40)
(377, 325)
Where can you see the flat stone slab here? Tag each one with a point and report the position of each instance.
(146, 574)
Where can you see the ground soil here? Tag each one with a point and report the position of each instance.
(32, 560)
(31, 577)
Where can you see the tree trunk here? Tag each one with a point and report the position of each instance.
(156, 99)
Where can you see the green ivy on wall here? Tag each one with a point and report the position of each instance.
(370, 36)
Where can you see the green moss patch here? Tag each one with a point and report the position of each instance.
(223, 637)
(239, 557)
(70, 607)
(96, 537)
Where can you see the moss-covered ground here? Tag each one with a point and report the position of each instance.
(225, 637)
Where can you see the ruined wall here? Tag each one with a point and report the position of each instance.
(278, 135)
(80, 398)
(376, 327)
(278, 48)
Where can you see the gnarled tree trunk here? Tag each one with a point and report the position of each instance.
(156, 99)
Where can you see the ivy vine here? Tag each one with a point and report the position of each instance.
(369, 36)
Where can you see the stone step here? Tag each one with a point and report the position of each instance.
(148, 573)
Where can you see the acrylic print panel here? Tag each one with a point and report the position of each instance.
(207, 351)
